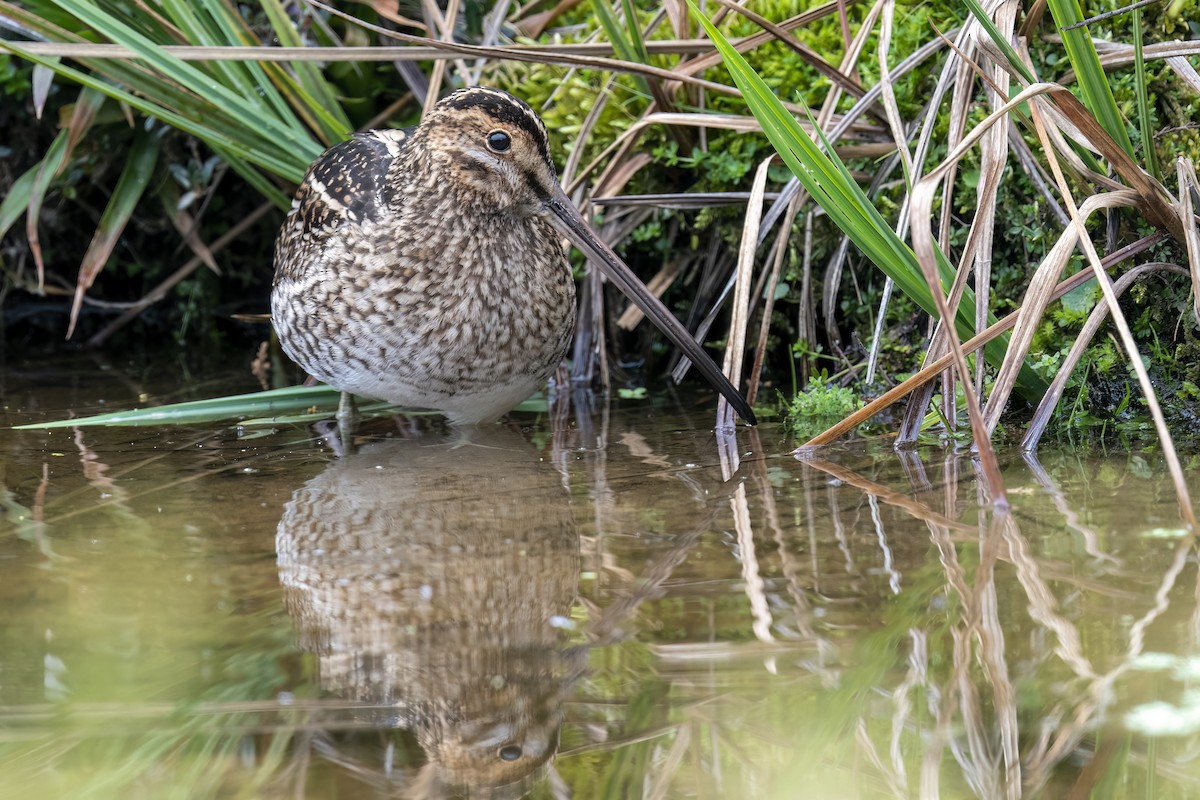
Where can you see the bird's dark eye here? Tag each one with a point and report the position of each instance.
(509, 752)
(499, 141)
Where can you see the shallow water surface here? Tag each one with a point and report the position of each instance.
(605, 607)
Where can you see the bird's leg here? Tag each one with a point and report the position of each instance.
(347, 420)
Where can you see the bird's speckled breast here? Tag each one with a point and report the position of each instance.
(428, 307)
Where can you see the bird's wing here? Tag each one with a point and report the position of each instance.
(342, 187)
(344, 184)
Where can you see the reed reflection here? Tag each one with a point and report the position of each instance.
(433, 578)
(1024, 636)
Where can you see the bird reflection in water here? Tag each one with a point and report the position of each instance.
(431, 578)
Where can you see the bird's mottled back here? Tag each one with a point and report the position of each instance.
(343, 186)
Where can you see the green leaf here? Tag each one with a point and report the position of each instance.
(625, 42)
(135, 176)
(19, 194)
(1093, 82)
(1143, 99)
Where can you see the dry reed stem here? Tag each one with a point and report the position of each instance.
(1119, 54)
(517, 54)
(444, 27)
(890, 106)
(1185, 173)
(764, 327)
(365, 53)
(632, 316)
(955, 79)
(735, 348)
(1037, 174)
(900, 137)
(933, 369)
(823, 120)
(993, 156)
(987, 455)
(1150, 193)
(492, 22)
(1135, 359)
(1045, 409)
(1038, 297)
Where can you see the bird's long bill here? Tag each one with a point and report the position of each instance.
(568, 220)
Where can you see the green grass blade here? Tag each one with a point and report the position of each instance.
(218, 25)
(1093, 82)
(635, 32)
(135, 177)
(317, 94)
(185, 74)
(617, 35)
(278, 160)
(1001, 42)
(621, 39)
(236, 31)
(256, 404)
(1143, 99)
(51, 164)
(19, 194)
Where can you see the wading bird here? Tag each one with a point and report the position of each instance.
(425, 268)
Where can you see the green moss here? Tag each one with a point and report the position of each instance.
(814, 410)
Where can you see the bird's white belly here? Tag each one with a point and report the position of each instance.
(413, 347)
(462, 406)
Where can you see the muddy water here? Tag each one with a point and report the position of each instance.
(605, 608)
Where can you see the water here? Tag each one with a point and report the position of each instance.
(592, 610)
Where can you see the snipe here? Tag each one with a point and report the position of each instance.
(424, 268)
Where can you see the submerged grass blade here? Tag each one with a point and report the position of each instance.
(292, 405)
(269, 403)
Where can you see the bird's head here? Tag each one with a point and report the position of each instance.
(493, 149)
